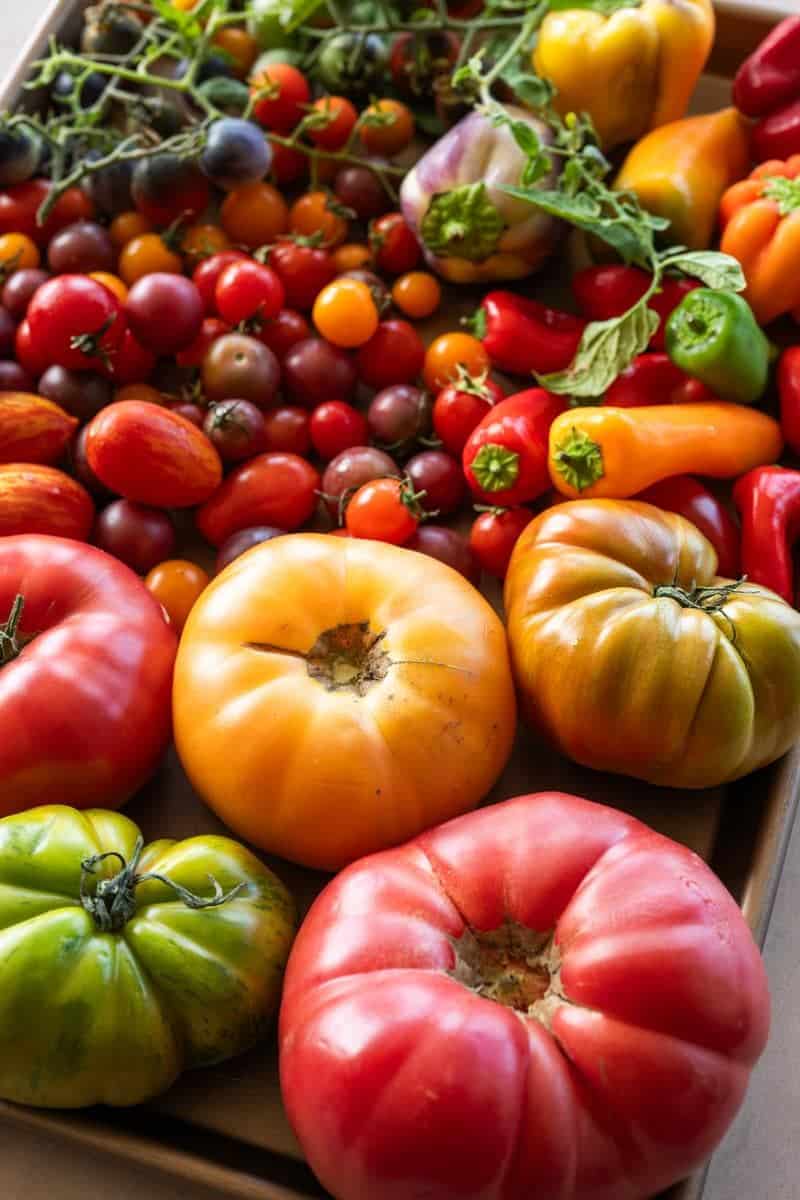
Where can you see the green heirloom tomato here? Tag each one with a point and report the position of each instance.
(120, 966)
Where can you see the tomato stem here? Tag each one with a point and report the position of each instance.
(11, 644)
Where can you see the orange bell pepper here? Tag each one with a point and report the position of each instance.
(760, 219)
(681, 170)
(619, 452)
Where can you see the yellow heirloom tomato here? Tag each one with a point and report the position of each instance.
(334, 696)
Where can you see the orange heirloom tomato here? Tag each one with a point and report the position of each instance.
(32, 429)
(254, 214)
(42, 499)
(334, 696)
(147, 255)
(317, 212)
(127, 226)
(113, 283)
(634, 657)
(176, 584)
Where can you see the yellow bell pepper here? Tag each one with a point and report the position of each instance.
(632, 70)
(681, 171)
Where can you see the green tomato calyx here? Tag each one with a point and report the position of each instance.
(462, 223)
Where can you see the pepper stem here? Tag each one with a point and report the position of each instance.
(10, 646)
(495, 467)
(579, 460)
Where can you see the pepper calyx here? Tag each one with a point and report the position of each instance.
(495, 467)
(579, 460)
(462, 223)
(785, 192)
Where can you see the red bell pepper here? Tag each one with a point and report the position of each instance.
(768, 499)
(771, 75)
(505, 458)
(688, 497)
(524, 337)
(789, 392)
(778, 135)
(605, 292)
(653, 378)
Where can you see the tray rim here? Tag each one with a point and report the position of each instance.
(753, 17)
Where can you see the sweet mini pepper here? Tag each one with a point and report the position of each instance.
(680, 171)
(525, 337)
(771, 74)
(789, 393)
(760, 219)
(631, 70)
(685, 495)
(768, 500)
(713, 336)
(654, 379)
(505, 458)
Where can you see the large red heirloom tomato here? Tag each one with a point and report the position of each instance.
(542, 1000)
(86, 660)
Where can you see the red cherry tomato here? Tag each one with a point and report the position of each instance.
(271, 489)
(288, 165)
(20, 204)
(207, 273)
(246, 290)
(460, 407)
(303, 270)
(75, 322)
(336, 426)
(211, 329)
(385, 510)
(394, 246)
(131, 362)
(337, 117)
(281, 91)
(394, 354)
(284, 331)
(494, 535)
(31, 355)
(288, 429)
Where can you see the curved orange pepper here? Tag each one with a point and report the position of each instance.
(760, 219)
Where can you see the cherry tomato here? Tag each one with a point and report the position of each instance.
(238, 367)
(386, 127)
(351, 257)
(271, 489)
(461, 406)
(127, 226)
(303, 270)
(314, 370)
(318, 213)
(77, 392)
(284, 331)
(420, 58)
(238, 543)
(17, 252)
(238, 45)
(81, 248)
(83, 472)
(143, 392)
(440, 477)
(189, 412)
(394, 354)
(246, 290)
(361, 190)
(398, 415)
(20, 204)
(32, 355)
(336, 426)
(448, 353)
(131, 362)
(176, 585)
(113, 283)
(345, 313)
(254, 214)
(75, 322)
(385, 510)
(8, 329)
(289, 165)
(200, 242)
(165, 312)
(346, 473)
(140, 537)
(494, 535)
(282, 92)
(449, 546)
(380, 292)
(206, 275)
(19, 289)
(339, 117)
(14, 377)
(288, 429)
(418, 294)
(236, 429)
(194, 354)
(394, 246)
(148, 255)
(166, 187)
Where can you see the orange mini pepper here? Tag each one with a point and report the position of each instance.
(680, 171)
(760, 219)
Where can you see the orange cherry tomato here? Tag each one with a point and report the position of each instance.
(447, 353)
(385, 510)
(341, 117)
(18, 252)
(113, 283)
(139, 391)
(240, 46)
(344, 312)
(317, 212)
(417, 294)
(127, 226)
(254, 215)
(147, 255)
(352, 256)
(176, 585)
(386, 127)
(201, 241)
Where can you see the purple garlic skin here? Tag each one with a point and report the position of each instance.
(501, 237)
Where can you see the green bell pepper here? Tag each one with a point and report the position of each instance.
(714, 336)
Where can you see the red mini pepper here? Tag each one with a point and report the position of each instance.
(605, 292)
(654, 379)
(789, 393)
(524, 337)
(685, 495)
(768, 499)
(771, 75)
(505, 458)
(778, 135)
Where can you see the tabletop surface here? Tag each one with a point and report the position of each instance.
(760, 1156)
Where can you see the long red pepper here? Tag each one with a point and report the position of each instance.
(524, 337)
(789, 393)
(604, 292)
(771, 75)
(768, 499)
(685, 495)
(654, 379)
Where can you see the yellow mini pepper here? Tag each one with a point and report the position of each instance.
(681, 171)
(632, 70)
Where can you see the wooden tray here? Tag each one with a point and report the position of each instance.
(225, 1127)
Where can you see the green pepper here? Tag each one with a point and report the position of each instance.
(714, 336)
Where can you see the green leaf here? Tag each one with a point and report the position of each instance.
(715, 270)
(631, 239)
(297, 12)
(606, 7)
(606, 349)
(526, 138)
(529, 89)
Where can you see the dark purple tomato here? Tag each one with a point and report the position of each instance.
(399, 415)
(349, 470)
(80, 249)
(236, 152)
(19, 289)
(166, 187)
(380, 293)
(244, 540)
(440, 477)
(315, 371)
(19, 156)
(236, 428)
(78, 392)
(360, 189)
(165, 312)
(8, 330)
(449, 547)
(140, 537)
(238, 367)
(83, 472)
(14, 378)
(192, 412)
(110, 187)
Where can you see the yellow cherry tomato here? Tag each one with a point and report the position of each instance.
(176, 584)
(127, 226)
(113, 283)
(201, 241)
(344, 312)
(417, 294)
(18, 252)
(145, 255)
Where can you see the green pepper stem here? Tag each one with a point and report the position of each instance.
(579, 460)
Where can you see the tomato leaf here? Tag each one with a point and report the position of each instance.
(606, 348)
(715, 270)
